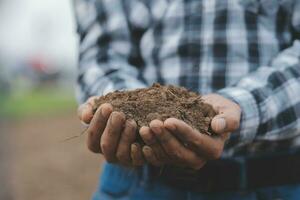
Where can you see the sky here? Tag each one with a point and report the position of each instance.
(38, 27)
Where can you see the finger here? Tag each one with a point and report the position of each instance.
(136, 155)
(97, 127)
(85, 110)
(127, 137)
(174, 148)
(202, 144)
(151, 141)
(228, 113)
(228, 121)
(150, 156)
(111, 136)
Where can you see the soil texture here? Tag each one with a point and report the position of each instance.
(161, 102)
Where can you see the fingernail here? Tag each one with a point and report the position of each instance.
(100, 110)
(171, 127)
(116, 118)
(113, 117)
(85, 113)
(156, 130)
(131, 122)
(134, 147)
(220, 124)
(146, 150)
(104, 112)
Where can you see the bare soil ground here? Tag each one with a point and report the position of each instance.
(36, 165)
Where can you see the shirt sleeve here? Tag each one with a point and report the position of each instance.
(270, 97)
(108, 46)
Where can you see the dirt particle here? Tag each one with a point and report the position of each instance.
(161, 102)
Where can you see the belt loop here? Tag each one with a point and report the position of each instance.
(243, 172)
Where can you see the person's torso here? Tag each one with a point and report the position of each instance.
(206, 45)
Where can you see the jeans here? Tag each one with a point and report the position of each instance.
(118, 183)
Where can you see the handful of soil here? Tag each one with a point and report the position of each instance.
(161, 102)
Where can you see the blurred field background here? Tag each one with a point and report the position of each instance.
(38, 52)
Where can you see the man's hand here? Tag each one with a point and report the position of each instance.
(111, 134)
(173, 141)
(228, 113)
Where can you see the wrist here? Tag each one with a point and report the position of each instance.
(249, 113)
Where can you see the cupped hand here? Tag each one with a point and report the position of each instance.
(163, 147)
(228, 113)
(175, 142)
(111, 134)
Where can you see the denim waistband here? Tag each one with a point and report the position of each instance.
(118, 179)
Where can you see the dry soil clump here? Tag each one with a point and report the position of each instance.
(161, 102)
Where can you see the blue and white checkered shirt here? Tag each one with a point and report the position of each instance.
(245, 50)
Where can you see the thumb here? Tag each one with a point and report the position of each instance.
(225, 123)
(85, 112)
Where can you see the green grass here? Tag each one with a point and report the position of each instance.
(47, 101)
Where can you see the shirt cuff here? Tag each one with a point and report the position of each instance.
(249, 116)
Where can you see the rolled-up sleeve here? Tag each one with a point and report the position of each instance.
(269, 99)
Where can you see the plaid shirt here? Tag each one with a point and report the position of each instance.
(245, 50)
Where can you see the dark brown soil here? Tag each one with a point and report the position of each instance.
(161, 102)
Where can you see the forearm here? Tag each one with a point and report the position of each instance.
(268, 99)
(93, 81)
(105, 48)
